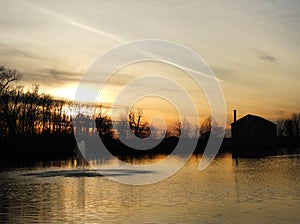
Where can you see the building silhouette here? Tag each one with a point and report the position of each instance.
(253, 136)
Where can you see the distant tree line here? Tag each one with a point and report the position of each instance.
(28, 113)
(27, 116)
(289, 127)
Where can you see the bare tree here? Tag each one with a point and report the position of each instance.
(289, 127)
(8, 101)
(210, 126)
(138, 126)
(205, 128)
(7, 76)
(280, 126)
(122, 127)
(176, 130)
(104, 126)
(181, 129)
(296, 124)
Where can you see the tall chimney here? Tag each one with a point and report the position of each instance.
(234, 115)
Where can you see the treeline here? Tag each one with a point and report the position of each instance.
(289, 127)
(39, 125)
(288, 131)
(34, 124)
(28, 113)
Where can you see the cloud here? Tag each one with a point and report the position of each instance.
(61, 74)
(73, 23)
(51, 77)
(9, 51)
(266, 57)
(95, 31)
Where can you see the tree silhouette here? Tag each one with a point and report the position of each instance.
(210, 126)
(181, 129)
(138, 126)
(7, 77)
(289, 127)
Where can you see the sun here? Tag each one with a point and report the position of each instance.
(65, 92)
(87, 93)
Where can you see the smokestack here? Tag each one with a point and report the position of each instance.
(234, 115)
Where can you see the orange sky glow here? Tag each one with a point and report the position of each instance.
(251, 46)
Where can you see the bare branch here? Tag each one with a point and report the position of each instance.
(7, 76)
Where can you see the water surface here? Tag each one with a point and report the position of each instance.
(228, 191)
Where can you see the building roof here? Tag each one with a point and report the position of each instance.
(253, 117)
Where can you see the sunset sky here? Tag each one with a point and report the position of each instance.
(252, 46)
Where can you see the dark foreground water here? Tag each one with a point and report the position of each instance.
(248, 191)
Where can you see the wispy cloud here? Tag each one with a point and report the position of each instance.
(77, 24)
(266, 57)
(61, 74)
(11, 51)
(95, 31)
(51, 77)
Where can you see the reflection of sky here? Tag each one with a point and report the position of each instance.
(249, 191)
(252, 46)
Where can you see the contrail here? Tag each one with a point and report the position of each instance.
(107, 35)
(96, 31)
(66, 20)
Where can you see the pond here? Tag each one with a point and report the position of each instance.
(264, 190)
